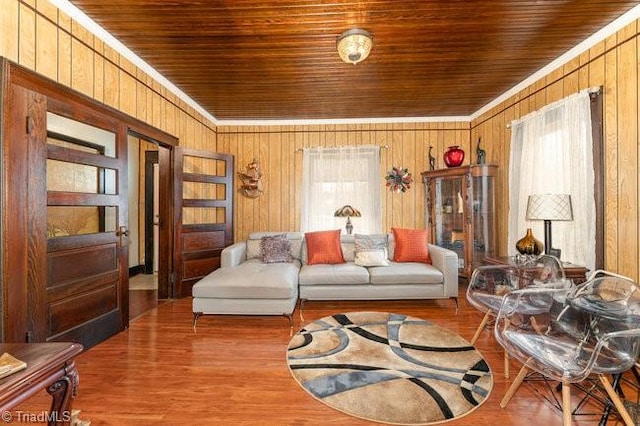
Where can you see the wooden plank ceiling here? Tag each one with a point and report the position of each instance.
(277, 59)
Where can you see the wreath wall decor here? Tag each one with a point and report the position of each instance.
(399, 179)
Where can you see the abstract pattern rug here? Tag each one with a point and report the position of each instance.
(389, 368)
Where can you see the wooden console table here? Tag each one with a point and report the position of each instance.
(50, 366)
(576, 273)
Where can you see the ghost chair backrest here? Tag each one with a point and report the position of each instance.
(566, 334)
(489, 284)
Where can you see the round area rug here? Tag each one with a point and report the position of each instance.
(389, 368)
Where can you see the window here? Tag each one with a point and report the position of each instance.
(334, 177)
(552, 153)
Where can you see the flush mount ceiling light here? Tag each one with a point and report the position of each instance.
(354, 45)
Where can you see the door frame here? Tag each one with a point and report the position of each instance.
(150, 159)
(166, 190)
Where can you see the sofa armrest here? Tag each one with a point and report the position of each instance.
(233, 255)
(447, 262)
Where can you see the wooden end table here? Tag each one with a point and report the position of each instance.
(50, 366)
(576, 273)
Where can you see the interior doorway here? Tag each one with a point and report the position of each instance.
(150, 209)
(151, 212)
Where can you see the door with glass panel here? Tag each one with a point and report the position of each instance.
(86, 218)
(204, 214)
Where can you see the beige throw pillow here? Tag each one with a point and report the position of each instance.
(372, 257)
(371, 250)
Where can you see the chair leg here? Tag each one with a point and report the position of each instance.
(484, 322)
(506, 365)
(514, 386)
(300, 309)
(566, 404)
(616, 400)
(196, 315)
(290, 318)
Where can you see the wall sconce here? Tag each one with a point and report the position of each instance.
(347, 211)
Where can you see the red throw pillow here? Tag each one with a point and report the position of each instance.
(324, 247)
(411, 245)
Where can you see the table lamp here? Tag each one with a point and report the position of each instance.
(347, 211)
(549, 207)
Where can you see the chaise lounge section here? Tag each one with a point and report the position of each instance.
(246, 285)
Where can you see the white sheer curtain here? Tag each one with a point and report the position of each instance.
(334, 177)
(552, 152)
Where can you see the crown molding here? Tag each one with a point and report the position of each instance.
(310, 122)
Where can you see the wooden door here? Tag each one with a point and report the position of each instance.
(23, 255)
(63, 211)
(203, 214)
(85, 299)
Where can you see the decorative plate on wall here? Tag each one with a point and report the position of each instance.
(399, 179)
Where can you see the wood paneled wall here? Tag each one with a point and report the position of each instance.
(37, 35)
(277, 149)
(612, 64)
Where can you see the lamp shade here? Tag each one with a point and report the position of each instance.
(549, 207)
(354, 45)
(347, 211)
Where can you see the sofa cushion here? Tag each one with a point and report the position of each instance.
(348, 247)
(371, 250)
(323, 247)
(275, 248)
(254, 251)
(406, 273)
(411, 245)
(344, 273)
(252, 279)
(370, 242)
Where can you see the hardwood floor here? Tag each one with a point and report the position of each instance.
(232, 371)
(142, 301)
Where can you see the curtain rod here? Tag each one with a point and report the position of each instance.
(591, 90)
(336, 146)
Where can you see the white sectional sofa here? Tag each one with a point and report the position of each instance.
(246, 285)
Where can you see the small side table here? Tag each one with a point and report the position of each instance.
(50, 366)
(576, 273)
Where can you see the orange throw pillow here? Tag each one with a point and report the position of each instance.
(411, 245)
(324, 247)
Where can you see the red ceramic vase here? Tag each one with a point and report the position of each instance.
(453, 156)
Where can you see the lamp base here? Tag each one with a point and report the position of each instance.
(555, 253)
(547, 237)
(349, 226)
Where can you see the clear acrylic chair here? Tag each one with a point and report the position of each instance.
(569, 334)
(489, 284)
